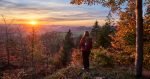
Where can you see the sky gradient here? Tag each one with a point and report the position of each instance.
(52, 12)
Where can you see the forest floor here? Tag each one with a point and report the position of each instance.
(74, 72)
(97, 73)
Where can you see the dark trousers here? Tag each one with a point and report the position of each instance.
(85, 57)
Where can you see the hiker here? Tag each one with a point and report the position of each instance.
(86, 46)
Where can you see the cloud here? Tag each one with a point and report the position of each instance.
(74, 17)
(50, 10)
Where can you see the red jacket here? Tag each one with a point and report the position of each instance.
(86, 44)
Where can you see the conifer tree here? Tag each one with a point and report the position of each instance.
(67, 49)
(94, 33)
(104, 38)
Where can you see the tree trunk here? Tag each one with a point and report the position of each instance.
(33, 47)
(139, 39)
(7, 44)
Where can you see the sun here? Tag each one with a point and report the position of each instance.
(33, 22)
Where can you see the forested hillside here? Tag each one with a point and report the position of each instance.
(54, 52)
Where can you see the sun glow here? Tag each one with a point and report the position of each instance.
(33, 22)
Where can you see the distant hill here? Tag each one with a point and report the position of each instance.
(77, 30)
(74, 29)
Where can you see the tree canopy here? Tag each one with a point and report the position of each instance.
(113, 4)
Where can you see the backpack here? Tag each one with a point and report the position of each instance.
(86, 45)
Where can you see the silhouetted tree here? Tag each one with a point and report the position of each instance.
(51, 42)
(104, 38)
(67, 48)
(7, 38)
(22, 46)
(94, 34)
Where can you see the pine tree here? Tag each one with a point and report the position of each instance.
(67, 49)
(95, 29)
(104, 35)
(94, 33)
(101, 35)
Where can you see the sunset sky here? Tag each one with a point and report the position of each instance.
(52, 12)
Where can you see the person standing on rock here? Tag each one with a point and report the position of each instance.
(85, 47)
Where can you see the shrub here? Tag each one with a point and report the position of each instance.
(146, 60)
(65, 73)
(101, 58)
(76, 58)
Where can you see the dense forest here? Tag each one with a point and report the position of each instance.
(56, 55)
